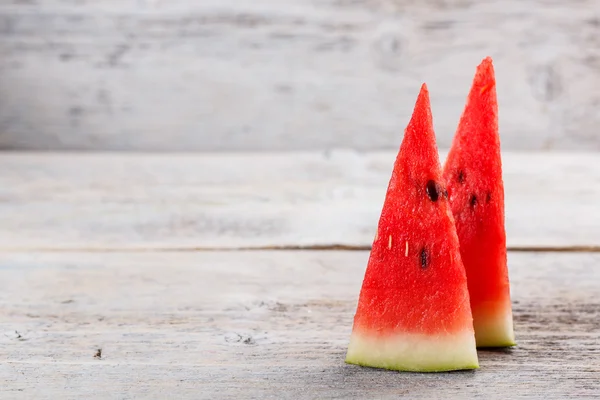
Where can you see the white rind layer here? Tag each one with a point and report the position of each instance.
(414, 352)
(494, 329)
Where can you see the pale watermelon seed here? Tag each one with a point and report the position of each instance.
(390, 242)
(406, 250)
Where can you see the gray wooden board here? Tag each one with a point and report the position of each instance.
(126, 201)
(289, 74)
(265, 325)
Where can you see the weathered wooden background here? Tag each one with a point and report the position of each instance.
(289, 74)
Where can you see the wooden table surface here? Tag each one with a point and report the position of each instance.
(236, 276)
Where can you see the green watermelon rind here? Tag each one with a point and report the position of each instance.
(414, 352)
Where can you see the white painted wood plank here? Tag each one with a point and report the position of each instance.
(125, 201)
(289, 74)
(265, 325)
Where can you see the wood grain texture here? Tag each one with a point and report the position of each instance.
(265, 325)
(289, 74)
(117, 201)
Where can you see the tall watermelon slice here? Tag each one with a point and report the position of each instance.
(413, 311)
(473, 173)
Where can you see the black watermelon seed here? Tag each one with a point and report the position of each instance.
(432, 190)
(461, 176)
(488, 197)
(423, 256)
(473, 200)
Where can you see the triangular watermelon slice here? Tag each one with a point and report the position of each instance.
(473, 173)
(413, 311)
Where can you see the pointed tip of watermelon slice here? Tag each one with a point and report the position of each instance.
(485, 78)
(487, 60)
(421, 120)
(423, 98)
(419, 142)
(419, 146)
(422, 105)
(477, 131)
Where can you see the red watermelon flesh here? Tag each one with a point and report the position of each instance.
(473, 173)
(413, 311)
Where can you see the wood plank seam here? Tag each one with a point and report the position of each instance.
(333, 247)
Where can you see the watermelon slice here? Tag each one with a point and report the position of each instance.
(473, 173)
(413, 311)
